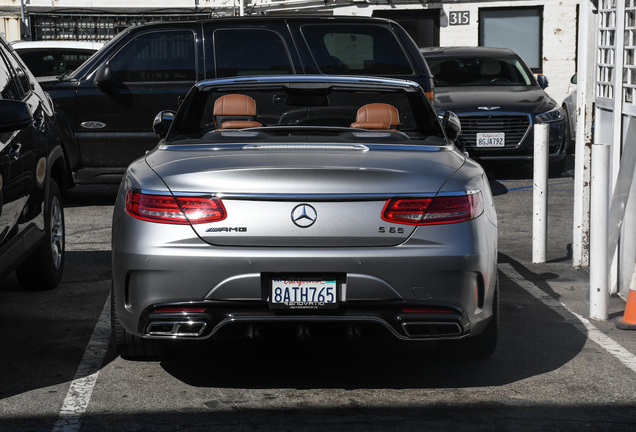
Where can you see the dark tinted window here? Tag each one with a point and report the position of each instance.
(357, 49)
(51, 62)
(250, 52)
(165, 56)
(478, 71)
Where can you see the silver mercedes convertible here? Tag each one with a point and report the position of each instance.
(304, 207)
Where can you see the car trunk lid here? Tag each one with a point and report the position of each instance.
(305, 196)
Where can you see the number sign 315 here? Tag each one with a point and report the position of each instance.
(459, 18)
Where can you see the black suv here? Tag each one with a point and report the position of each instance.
(107, 106)
(33, 179)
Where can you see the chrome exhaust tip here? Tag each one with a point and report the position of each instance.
(428, 329)
(176, 328)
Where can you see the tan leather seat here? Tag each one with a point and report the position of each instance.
(378, 116)
(235, 111)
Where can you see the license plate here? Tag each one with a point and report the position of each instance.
(303, 293)
(491, 139)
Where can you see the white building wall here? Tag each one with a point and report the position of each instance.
(10, 27)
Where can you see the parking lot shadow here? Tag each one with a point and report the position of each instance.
(49, 330)
(533, 340)
(91, 195)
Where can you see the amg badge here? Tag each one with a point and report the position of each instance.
(226, 229)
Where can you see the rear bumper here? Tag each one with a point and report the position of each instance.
(174, 268)
(255, 323)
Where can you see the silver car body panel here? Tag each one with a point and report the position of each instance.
(381, 267)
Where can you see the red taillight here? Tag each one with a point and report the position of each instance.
(432, 211)
(174, 210)
(179, 310)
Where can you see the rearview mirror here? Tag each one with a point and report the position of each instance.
(14, 115)
(543, 81)
(452, 126)
(161, 123)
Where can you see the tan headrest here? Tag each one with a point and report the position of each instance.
(377, 116)
(235, 105)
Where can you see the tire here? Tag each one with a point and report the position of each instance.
(482, 345)
(131, 347)
(43, 269)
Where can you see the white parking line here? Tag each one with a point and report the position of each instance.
(79, 393)
(582, 324)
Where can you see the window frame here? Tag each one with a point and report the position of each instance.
(162, 32)
(352, 27)
(22, 93)
(538, 8)
(214, 32)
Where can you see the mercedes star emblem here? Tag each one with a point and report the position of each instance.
(304, 215)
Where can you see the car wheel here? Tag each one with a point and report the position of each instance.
(131, 347)
(482, 345)
(44, 268)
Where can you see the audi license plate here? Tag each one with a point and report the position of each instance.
(303, 293)
(491, 139)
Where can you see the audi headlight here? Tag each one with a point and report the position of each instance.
(551, 116)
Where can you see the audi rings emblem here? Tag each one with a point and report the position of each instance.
(304, 215)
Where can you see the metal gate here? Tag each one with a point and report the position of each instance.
(95, 27)
(614, 89)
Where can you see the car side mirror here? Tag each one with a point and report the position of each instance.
(103, 77)
(573, 80)
(543, 81)
(14, 115)
(162, 122)
(452, 126)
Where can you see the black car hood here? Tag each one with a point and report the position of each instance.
(46, 82)
(518, 99)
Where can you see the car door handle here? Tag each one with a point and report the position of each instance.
(14, 153)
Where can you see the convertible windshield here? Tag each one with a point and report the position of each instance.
(317, 110)
(449, 72)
